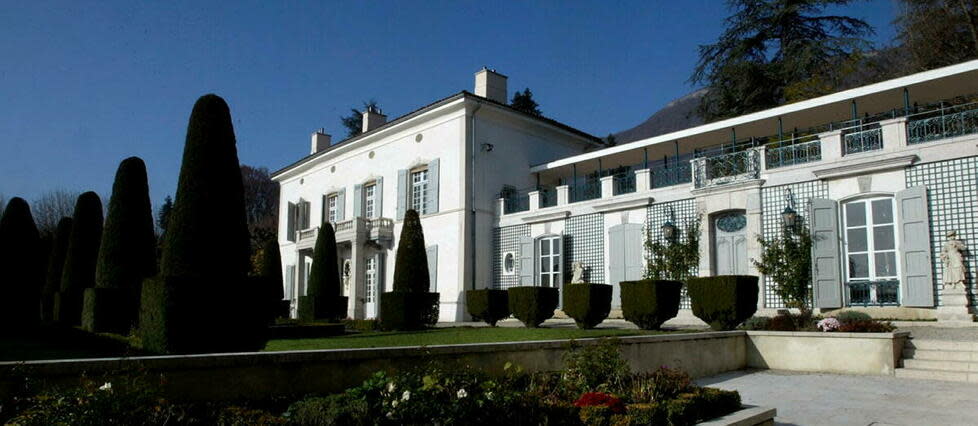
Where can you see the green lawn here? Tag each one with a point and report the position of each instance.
(445, 336)
(52, 342)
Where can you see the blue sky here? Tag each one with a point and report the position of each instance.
(84, 85)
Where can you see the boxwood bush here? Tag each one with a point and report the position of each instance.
(410, 306)
(588, 304)
(533, 305)
(489, 305)
(723, 301)
(649, 303)
(405, 310)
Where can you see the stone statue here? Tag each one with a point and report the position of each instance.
(578, 273)
(346, 277)
(952, 258)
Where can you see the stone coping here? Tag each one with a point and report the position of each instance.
(831, 334)
(749, 415)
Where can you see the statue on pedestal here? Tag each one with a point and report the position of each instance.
(578, 273)
(346, 277)
(952, 259)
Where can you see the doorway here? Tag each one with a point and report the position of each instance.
(730, 243)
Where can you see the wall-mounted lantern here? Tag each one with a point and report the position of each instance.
(789, 216)
(668, 230)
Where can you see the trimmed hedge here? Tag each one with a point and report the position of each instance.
(324, 298)
(403, 310)
(649, 303)
(56, 264)
(588, 304)
(489, 305)
(111, 310)
(20, 282)
(80, 261)
(411, 262)
(723, 301)
(318, 308)
(533, 305)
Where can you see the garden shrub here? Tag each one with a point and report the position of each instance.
(56, 263)
(324, 298)
(782, 322)
(80, 260)
(489, 305)
(362, 324)
(20, 286)
(866, 326)
(270, 270)
(662, 384)
(588, 304)
(408, 310)
(850, 316)
(338, 409)
(126, 256)
(723, 301)
(757, 323)
(533, 305)
(649, 303)
(410, 306)
(206, 249)
(595, 368)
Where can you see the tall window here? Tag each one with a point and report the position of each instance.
(371, 279)
(549, 261)
(870, 240)
(331, 208)
(369, 200)
(419, 190)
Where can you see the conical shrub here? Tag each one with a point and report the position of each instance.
(56, 264)
(127, 254)
(79, 269)
(202, 301)
(270, 272)
(410, 305)
(324, 299)
(20, 274)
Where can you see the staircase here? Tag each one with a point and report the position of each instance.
(940, 360)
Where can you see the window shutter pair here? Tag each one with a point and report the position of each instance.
(528, 262)
(432, 253)
(916, 279)
(359, 202)
(404, 190)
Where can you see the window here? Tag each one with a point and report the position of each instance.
(371, 277)
(369, 200)
(509, 263)
(419, 190)
(549, 250)
(870, 240)
(331, 202)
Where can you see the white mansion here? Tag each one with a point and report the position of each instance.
(880, 174)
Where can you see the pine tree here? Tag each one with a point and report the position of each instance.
(411, 265)
(324, 298)
(20, 278)
(56, 264)
(80, 260)
(354, 122)
(523, 101)
(127, 254)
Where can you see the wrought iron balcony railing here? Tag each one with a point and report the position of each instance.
(588, 190)
(726, 168)
(548, 197)
(863, 139)
(874, 293)
(516, 202)
(801, 150)
(943, 123)
(623, 183)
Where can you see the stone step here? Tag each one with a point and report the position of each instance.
(922, 374)
(966, 356)
(940, 345)
(929, 364)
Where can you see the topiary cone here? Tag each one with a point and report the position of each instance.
(411, 264)
(56, 265)
(270, 272)
(127, 254)
(79, 269)
(324, 297)
(21, 278)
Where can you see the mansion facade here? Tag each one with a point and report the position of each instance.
(879, 173)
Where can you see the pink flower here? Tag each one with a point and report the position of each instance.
(828, 324)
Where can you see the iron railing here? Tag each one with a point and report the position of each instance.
(874, 293)
(726, 168)
(623, 183)
(945, 122)
(589, 190)
(548, 197)
(801, 150)
(863, 139)
(516, 202)
(670, 171)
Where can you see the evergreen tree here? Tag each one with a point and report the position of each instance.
(163, 216)
(411, 264)
(354, 122)
(523, 101)
(127, 254)
(56, 264)
(610, 140)
(324, 296)
(773, 51)
(20, 278)
(79, 269)
(271, 268)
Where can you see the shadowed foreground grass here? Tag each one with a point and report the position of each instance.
(446, 336)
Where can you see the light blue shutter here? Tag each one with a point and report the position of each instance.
(324, 211)
(616, 255)
(527, 269)
(357, 200)
(380, 276)
(290, 224)
(432, 253)
(402, 193)
(826, 277)
(916, 280)
(289, 282)
(431, 202)
(340, 205)
(378, 198)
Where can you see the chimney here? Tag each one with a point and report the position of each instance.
(320, 141)
(491, 85)
(372, 119)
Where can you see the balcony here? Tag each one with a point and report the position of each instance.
(874, 293)
(623, 183)
(863, 139)
(589, 190)
(800, 150)
(548, 197)
(358, 229)
(945, 122)
(726, 168)
(515, 201)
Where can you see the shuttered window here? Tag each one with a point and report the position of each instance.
(870, 240)
(549, 250)
(419, 190)
(370, 201)
(331, 208)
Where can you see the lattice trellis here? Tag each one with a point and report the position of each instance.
(506, 239)
(680, 212)
(584, 242)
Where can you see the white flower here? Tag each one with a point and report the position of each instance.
(489, 395)
(394, 403)
(106, 387)
(462, 393)
(390, 414)
(391, 387)
(406, 396)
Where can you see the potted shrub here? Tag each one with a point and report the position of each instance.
(649, 303)
(723, 301)
(533, 305)
(588, 304)
(489, 305)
